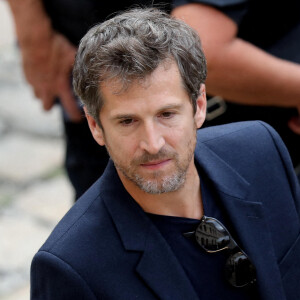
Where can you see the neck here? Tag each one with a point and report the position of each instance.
(185, 202)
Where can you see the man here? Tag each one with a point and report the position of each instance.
(154, 225)
(48, 33)
(253, 57)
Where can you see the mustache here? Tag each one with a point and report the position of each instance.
(161, 155)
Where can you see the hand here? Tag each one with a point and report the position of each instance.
(47, 66)
(294, 123)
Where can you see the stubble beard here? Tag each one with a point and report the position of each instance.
(158, 183)
(167, 184)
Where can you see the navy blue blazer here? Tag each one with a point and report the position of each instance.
(107, 248)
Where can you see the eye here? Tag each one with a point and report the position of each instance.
(167, 114)
(127, 122)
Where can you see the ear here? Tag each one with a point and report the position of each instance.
(96, 131)
(201, 107)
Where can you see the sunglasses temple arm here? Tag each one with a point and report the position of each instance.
(189, 235)
(233, 246)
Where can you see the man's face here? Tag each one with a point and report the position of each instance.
(149, 130)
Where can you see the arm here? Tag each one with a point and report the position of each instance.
(286, 160)
(52, 278)
(238, 70)
(47, 56)
(289, 263)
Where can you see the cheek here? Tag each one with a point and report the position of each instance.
(122, 148)
(179, 138)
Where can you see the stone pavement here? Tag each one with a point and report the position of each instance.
(34, 191)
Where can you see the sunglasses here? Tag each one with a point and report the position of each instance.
(212, 236)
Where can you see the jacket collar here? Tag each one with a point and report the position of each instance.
(247, 217)
(158, 266)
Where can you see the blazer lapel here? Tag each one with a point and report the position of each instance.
(158, 266)
(247, 217)
(162, 272)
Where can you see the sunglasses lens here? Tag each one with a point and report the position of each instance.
(211, 236)
(239, 270)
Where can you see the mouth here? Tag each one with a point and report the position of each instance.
(152, 165)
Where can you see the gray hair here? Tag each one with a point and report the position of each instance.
(129, 47)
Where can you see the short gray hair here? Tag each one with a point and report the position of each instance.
(130, 46)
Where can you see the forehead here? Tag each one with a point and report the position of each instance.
(164, 82)
(130, 78)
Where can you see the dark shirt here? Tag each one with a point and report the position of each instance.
(263, 23)
(73, 18)
(205, 270)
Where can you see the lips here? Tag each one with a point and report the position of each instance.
(155, 164)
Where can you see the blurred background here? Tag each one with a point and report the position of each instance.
(34, 191)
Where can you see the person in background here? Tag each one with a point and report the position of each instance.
(253, 57)
(48, 33)
(178, 213)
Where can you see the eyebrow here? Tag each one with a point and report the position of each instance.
(130, 116)
(120, 117)
(171, 106)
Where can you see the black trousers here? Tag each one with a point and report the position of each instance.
(85, 160)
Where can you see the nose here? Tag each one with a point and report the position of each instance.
(151, 139)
